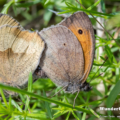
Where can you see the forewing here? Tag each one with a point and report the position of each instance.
(8, 20)
(77, 22)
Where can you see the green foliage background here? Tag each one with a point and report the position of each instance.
(34, 103)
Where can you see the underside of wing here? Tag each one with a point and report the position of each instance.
(20, 52)
(80, 24)
(8, 20)
(62, 59)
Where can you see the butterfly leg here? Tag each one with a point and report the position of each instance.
(75, 98)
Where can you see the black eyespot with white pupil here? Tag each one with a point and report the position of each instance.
(80, 31)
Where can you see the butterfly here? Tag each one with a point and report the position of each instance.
(20, 52)
(69, 52)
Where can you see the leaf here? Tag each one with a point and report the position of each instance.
(3, 97)
(27, 4)
(75, 115)
(102, 6)
(110, 55)
(6, 7)
(84, 116)
(94, 5)
(112, 96)
(30, 81)
(98, 92)
(47, 106)
(16, 105)
(47, 15)
(46, 2)
(75, 9)
(29, 90)
(68, 115)
(43, 98)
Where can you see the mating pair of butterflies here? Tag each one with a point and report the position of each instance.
(65, 52)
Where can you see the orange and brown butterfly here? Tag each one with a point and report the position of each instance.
(20, 52)
(80, 24)
(69, 52)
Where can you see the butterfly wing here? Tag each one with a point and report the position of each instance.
(80, 24)
(20, 52)
(8, 20)
(62, 59)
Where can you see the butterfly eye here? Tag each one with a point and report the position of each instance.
(80, 31)
(39, 68)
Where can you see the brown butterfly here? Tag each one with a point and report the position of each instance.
(69, 52)
(20, 52)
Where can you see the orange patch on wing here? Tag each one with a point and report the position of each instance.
(86, 44)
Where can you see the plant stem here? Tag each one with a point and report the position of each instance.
(7, 6)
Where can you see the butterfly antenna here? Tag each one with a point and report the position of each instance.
(57, 13)
(58, 91)
(98, 70)
(75, 98)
